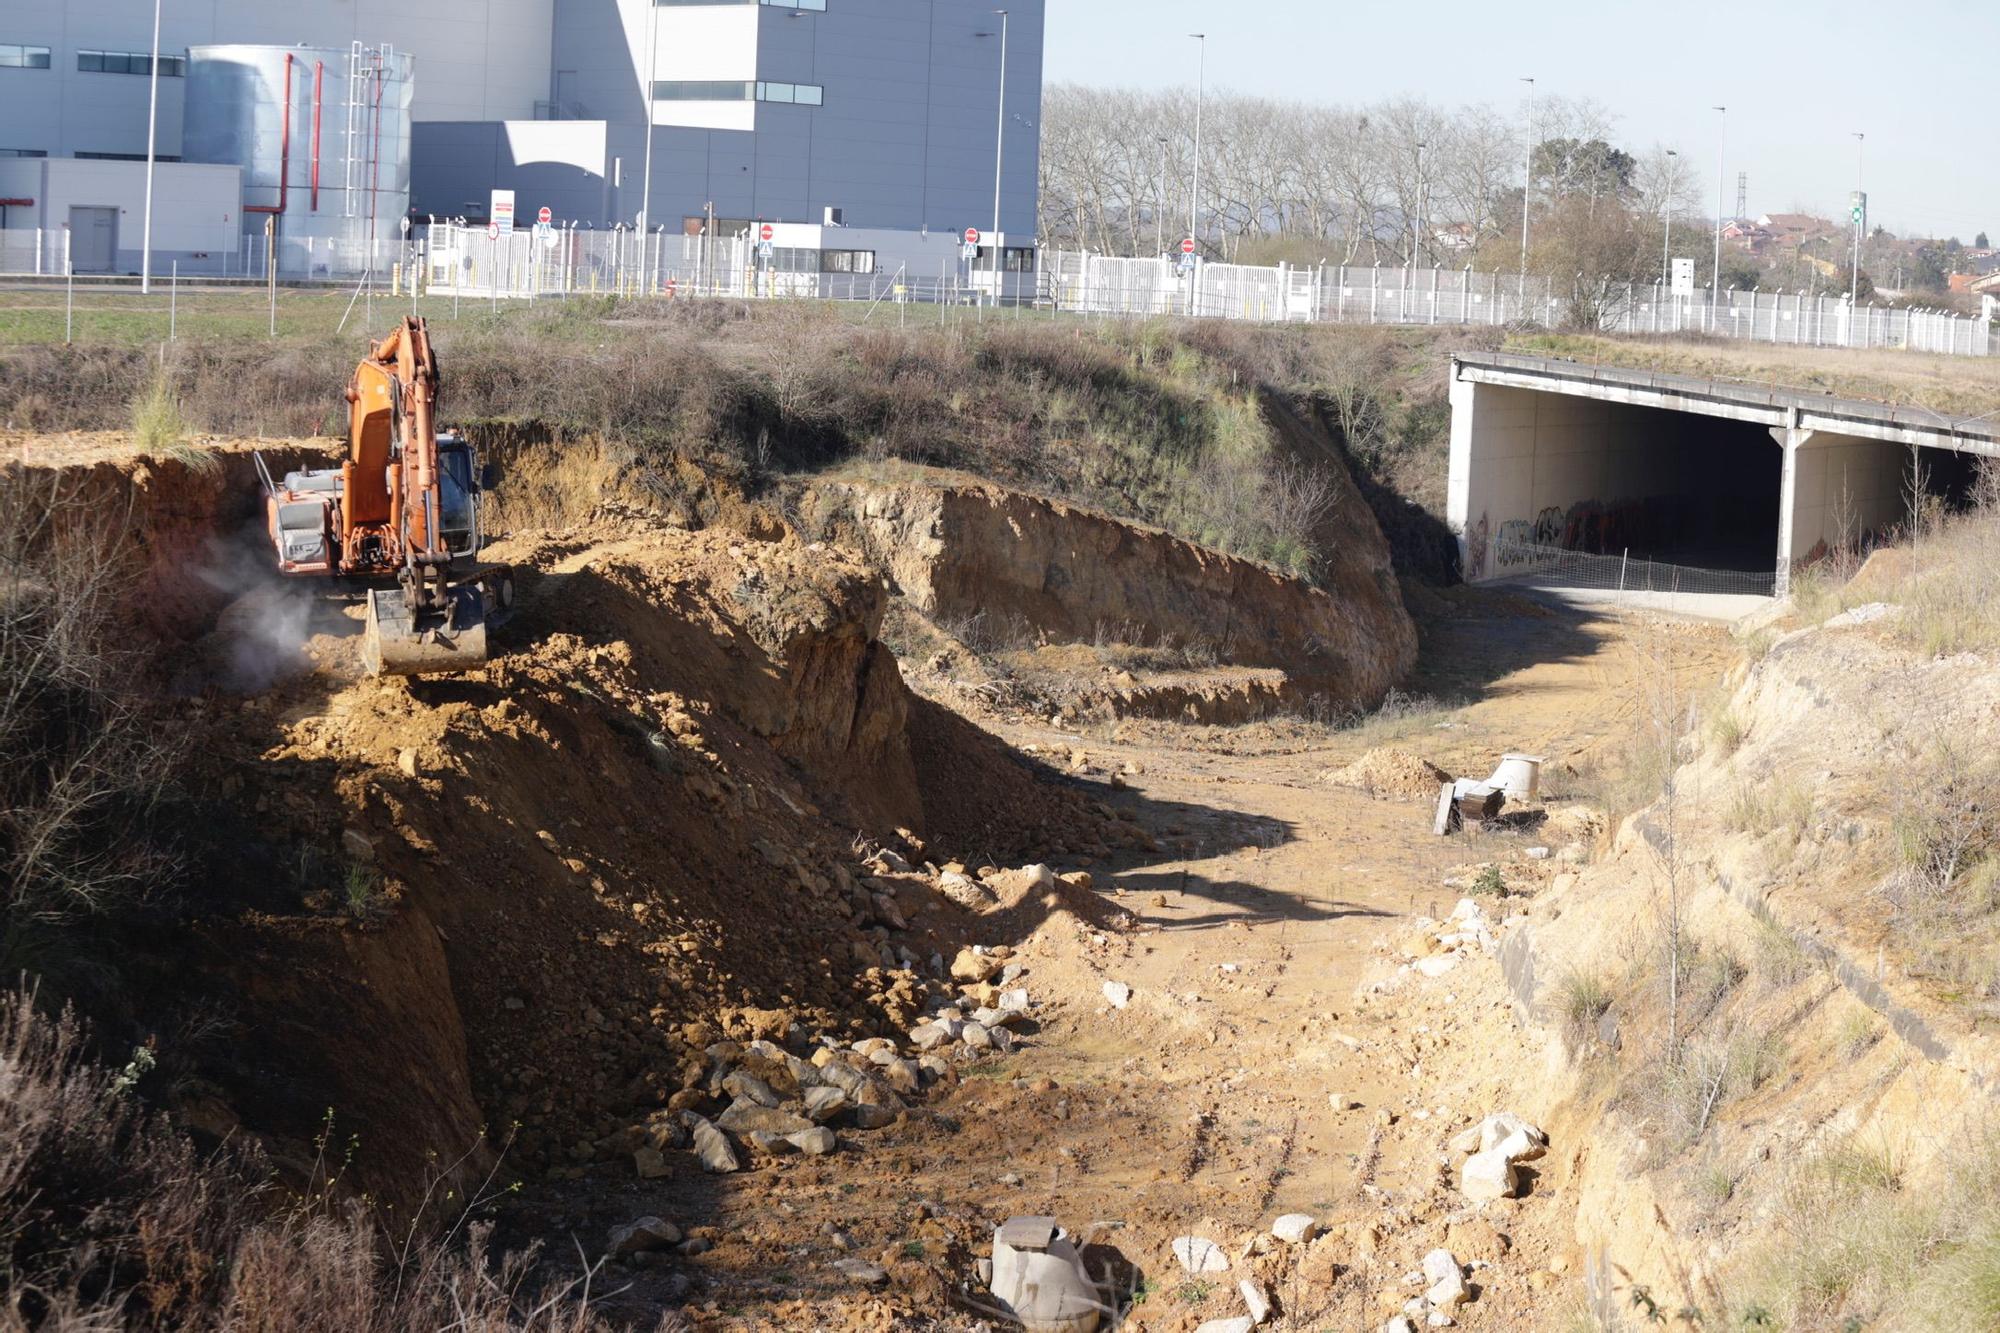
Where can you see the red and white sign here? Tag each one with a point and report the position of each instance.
(1187, 246)
(766, 232)
(972, 235)
(492, 231)
(545, 217)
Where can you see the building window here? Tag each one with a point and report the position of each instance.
(814, 6)
(1014, 259)
(23, 57)
(23, 152)
(128, 62)
(799, 94)
(125, 157)
(847, 261)
(729, 90)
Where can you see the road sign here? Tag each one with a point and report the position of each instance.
(767, 232)
(1857, 207)
(492, 231)
(502, 211)
(972, 235)
(1187, 246)
(546, 235)
(545, 217)
(764, 250)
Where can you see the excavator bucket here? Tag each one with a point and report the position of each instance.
(397, 643)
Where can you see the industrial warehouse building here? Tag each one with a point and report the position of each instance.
(340, 118)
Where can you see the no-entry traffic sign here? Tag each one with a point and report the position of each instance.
(545, 217)
(972, 235)
(1187, 246)
(766, 232)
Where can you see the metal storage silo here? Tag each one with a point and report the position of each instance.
(323, 137)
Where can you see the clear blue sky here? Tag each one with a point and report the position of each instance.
(1919, 77)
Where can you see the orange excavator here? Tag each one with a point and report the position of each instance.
(402, 510)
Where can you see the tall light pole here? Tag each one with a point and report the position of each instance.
(1160, 203)
(1667, 212)
(152, 144)
(1715, 277)
(1854, 283)
(1200, 94)
(999, 153)
(1527, 177)
(1417, 219)
(652, 96)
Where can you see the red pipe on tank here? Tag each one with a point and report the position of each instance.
(319, 72)
(284, 151)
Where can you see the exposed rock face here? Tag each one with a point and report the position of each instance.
(956, 551)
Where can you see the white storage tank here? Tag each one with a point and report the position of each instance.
(323, 137)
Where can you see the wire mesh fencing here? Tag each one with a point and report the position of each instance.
(1555, 566)
(1367, 294)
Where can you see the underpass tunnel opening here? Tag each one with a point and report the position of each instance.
(1951, 481)
(1546, 471)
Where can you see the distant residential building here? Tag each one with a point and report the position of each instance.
(1747, 236)
(1456, 236)
(1791, 230)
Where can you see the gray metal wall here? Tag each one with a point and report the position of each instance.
(905, 137)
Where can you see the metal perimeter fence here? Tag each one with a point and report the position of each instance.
(1367, 294)
(561, 262)
(1556, 567)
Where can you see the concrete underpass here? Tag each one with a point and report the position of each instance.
(1588, 473)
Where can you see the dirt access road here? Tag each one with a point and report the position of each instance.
(1262, 960)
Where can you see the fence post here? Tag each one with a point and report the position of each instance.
(173, 300)
(1622, 559)
(69, 297)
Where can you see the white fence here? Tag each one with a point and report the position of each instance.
(567, 261)
(1362, 294)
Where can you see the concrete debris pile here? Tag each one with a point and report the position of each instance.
(776, 1102)
(1494, 1149)
(1038, 1278)
(1518, 778)
(1444, 1291)
(1434, 948)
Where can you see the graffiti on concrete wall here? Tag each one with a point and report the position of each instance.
(1475, 549)
(1515, 545)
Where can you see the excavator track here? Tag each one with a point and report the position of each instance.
(396, 643)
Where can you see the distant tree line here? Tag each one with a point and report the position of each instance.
(1392, 182)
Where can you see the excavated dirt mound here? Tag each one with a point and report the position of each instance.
(1030, 571)
(513, 900)
(1390, 774)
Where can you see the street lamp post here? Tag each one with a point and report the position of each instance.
(1194, 196)
(1417, 219)
(1160, 203)
(1715, 277)
(152, 141)
(1667, 213)
(652, 107)
(1854, 282)
(999, 153)
(1200, 94)
(1527, 180)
